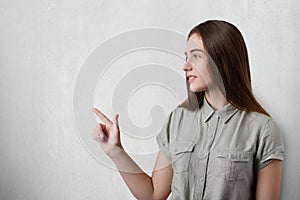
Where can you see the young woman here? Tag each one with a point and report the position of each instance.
(219, 143)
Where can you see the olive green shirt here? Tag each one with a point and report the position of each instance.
(216, 154)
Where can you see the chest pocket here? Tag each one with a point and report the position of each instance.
(181, 155)
(234, 164)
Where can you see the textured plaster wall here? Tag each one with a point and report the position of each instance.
(43, 45)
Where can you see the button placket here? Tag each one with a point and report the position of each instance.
(211, 132)
(212, 129)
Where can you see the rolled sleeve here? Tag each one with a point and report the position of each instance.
(271, 145)
(163, 137)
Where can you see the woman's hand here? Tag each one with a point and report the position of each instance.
(107, 134)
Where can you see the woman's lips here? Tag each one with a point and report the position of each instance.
(191, 78)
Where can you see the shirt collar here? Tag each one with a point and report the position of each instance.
(225, 113)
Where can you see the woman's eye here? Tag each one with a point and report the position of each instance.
(193, 56)
(196, 56)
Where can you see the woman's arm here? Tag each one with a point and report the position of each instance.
(140, 184)
(269, 181)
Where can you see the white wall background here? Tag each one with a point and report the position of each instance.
(43, 45)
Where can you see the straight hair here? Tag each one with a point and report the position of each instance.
(226, 47)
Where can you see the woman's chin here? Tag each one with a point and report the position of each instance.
(193, 89)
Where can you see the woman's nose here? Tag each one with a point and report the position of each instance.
(187, 66)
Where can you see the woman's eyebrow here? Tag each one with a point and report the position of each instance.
(193, 50)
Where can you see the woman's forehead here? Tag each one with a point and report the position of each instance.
(194, 42)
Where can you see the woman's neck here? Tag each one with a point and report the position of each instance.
(216, 99)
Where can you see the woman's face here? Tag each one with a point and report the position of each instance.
(196, 66)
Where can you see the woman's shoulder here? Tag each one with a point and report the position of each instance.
(257, 119)
(179, 109)
(180, 114)
(258, 116)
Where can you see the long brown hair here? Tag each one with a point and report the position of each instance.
(227, 49)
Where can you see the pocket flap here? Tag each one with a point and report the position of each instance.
(236, 155)
(182, 147)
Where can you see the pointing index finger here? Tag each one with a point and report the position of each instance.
(102, 116)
